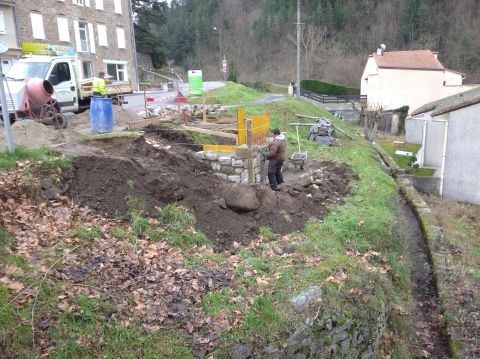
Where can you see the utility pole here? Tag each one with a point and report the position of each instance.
(297, 93)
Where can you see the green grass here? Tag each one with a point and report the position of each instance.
(215, 302)
(267, 233)
(231, 94)
(87, 233)
(404, 161)
(177, 217)
(182, 239)
(86, 333)
(43, 154)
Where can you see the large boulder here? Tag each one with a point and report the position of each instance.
(241, 197)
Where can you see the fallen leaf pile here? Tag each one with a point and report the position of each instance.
(165, 292)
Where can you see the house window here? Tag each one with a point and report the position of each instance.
(87, 69)
(99, 4)
(118, 6)
(2, 23)
(37, 26)
(102, 35)
(118, 71)
(63, 32)
(79, 2)
(121, 38)
(84, 39)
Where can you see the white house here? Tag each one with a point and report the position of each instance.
(399, 78)
(449, 132)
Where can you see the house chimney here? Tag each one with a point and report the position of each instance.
(381, 49)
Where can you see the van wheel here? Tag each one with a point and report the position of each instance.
(115, 101)
(59, 121)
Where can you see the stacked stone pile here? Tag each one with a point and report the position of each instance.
(231, 168)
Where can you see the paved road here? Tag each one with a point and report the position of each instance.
(136, 101)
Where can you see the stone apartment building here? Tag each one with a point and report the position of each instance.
(98, 32)
(8, 34)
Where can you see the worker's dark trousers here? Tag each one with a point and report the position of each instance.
(274, 172)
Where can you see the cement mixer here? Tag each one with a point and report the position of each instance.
(38, 104)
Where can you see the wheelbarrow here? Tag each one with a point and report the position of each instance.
(299, 159)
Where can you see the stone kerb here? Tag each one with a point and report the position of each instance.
(226, 165)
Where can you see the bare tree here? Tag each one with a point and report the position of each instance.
(311, 39)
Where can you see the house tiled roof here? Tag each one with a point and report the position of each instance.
(451, 103)
(409, 60)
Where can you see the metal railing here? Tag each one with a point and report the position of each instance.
(333, 99)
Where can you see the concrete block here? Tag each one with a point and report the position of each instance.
(222, 175)
(303, 300)
(215, 166)
(234, 178)
(225, 160)
(228, 170)
(237, 163)
(200, 155)
(211, 155)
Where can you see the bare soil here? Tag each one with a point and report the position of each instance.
(161, 172)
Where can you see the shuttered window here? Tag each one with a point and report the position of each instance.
(99, 4)
(102, 35)
(63, 31)
(121, 38)
(2, 23)
(118, 6)
(37, 26)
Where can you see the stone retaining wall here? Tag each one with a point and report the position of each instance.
(233, 169)
(321, 338)
(424, 184)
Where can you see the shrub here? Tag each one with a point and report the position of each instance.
(324, 88)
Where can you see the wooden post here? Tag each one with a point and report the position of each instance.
(145, 100)
(285, 122)
(251, 178)
(204, 110)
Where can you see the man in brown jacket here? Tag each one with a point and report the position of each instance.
(276, 155)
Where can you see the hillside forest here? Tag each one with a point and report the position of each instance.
(258, 37)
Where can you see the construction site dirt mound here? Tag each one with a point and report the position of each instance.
(121, 117)
(162, 172)
(31, 134)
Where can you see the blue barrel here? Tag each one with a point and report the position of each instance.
(101, 114)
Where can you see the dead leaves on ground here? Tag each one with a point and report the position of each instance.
(145, 280)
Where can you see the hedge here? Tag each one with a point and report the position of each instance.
(324, 88)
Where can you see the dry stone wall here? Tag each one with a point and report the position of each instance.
(228, 166)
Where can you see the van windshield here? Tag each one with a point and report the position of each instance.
(25, 70)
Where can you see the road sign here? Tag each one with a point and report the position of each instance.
(224, 63)
(224, 70)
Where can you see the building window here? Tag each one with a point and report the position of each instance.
(79, 2)
(121, 38)
(84, 39)
(99, 4)
(118, 6)
(118, 71)
(37, 26)
(102, 35)
(2, 23)
(63, 32)
(87, 69)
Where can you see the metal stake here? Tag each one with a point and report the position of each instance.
(5, 115)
